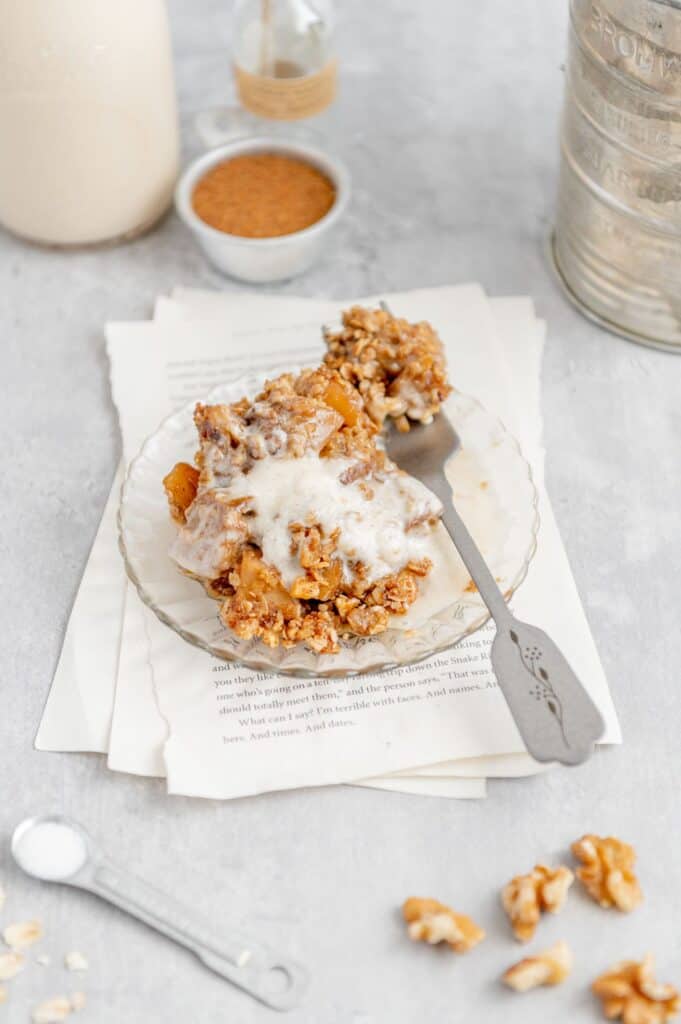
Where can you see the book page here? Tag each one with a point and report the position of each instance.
(137, 732)
(447, 707)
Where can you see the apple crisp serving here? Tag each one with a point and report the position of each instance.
(294, 518)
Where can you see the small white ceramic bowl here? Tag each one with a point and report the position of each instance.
(263, 259)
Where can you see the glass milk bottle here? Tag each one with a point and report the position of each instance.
(88, 120)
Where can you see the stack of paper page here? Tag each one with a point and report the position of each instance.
(128, 686)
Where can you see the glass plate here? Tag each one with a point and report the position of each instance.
(494, 492)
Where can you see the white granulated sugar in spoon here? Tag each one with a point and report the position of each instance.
(51, 850)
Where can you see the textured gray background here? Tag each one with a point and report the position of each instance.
(448, 120)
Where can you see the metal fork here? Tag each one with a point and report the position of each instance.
(556, 717)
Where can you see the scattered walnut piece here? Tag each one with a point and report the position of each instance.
(10, 964)
(22, 934)
(548, 968)
(629, 992)
(526, 896)
(52, 1011)
(608, 871)
(75, 961)
(432, 922)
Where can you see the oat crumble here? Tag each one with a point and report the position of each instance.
(319, 414)
(398, 368)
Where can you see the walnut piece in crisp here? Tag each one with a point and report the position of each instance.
(22, 934)
(630, 993)
(548, 968)
(10, 965)
(432, 922)
(607, 871)
(527, 896)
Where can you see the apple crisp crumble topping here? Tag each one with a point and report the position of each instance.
(433, 922)
(607, 871)
(629, 992)
(294, 518)
(397, 367)
(527, 896)
(551, 967)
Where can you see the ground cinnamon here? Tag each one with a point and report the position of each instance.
(263, 195)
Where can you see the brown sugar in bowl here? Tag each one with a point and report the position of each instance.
(262, 209)
(263, 195)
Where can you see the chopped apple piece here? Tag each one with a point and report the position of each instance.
(337, 398)
(180, 485)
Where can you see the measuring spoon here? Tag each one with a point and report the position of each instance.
(56, 849)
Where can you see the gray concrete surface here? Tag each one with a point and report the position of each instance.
(448, 120)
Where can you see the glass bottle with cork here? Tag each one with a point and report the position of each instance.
(285, 70)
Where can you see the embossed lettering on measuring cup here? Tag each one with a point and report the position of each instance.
(617, 241)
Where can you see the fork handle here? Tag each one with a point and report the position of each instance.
(472, 558)
(556, 717)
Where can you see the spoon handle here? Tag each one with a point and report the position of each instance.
(276, 981)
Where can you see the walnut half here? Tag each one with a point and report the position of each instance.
(607, 871)
(432, 922)
(629, 992)
(527, 896)
(548, 968)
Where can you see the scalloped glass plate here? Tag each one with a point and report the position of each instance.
(494, 493)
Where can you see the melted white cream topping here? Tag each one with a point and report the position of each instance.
(309, 490)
